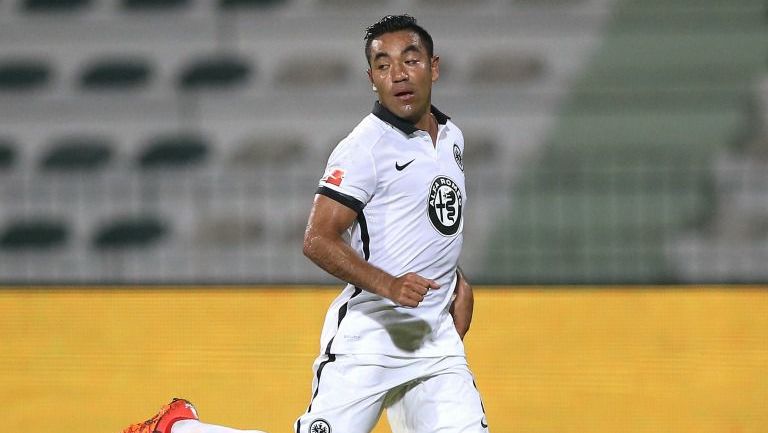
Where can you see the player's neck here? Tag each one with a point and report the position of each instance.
(428, 123)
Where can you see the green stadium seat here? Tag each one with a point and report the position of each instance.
(135, 232)
(545, 3)
(180, 150)
(37, 234)
(154, 5)
(510, 68)
(115, 74)
(229, 230)
(24, 74)
(215, 72)
(452, 3)
(352, 3)
(312, 71)
(480, 149)
(248, 4)
(82, 153)
(54, 6)
(262, 149)
(7, 153)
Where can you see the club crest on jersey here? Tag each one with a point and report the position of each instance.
(457, 156)
(444, 206)
(334, 177)
(320, 426)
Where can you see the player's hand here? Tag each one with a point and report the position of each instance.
(410, 289)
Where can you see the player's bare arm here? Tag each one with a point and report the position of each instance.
(463, 306)
(325, 246)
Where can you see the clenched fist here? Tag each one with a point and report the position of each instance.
(410, 289)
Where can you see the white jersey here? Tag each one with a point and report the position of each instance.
(410, 196)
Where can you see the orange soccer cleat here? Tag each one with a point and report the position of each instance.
(178, 409)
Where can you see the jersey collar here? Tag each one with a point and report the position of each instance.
(403, 125)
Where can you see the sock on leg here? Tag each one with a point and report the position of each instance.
(195, 426)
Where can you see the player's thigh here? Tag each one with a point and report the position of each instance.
(357, 417)
(342, 401)
(446, 402)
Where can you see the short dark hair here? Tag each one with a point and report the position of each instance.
(396, 23)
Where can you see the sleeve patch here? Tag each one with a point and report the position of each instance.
(334, 177)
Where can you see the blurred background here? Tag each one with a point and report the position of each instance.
(158, 159)
(608, 141)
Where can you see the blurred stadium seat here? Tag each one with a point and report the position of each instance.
(482, 153)
(228, 230)
(117, 73)
(22, 74)
(450, 3)
(248, 4)
(312, 70)
(215, 72)
(496, 69)
(260, 149)
(133, 232)
(34, 233)
(177, 150)
(153, 5)
(79, 153)
(7, 153)
(352, 3)
(54, 6)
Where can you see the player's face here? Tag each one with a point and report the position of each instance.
(403, 73)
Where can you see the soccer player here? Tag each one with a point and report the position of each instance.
(388, 219)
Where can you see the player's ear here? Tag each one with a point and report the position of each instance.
(370, 79)
(435, 66)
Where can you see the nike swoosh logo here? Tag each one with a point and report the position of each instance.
(402, 167)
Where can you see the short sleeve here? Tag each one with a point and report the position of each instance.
(350, 175)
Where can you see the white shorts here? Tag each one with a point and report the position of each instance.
(421, 395)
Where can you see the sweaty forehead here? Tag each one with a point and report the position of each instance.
(396, 42)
